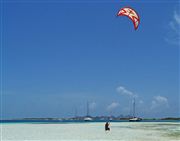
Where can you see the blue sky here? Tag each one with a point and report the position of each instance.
(57, 55)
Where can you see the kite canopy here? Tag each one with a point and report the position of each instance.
(131, 14)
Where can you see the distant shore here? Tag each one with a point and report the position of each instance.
(102, 118)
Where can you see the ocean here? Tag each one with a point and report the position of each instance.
(90, 131)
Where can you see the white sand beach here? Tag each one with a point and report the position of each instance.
(121, 131)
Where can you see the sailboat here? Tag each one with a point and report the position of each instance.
(134, 117)
(88, 118)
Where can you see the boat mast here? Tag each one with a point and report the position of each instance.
(75, 112)
(134, 107)
(87, 109)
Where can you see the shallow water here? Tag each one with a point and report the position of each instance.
(121, 131)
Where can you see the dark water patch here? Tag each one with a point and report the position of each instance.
(174, 134)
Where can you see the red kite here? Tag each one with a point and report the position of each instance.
(131, 14)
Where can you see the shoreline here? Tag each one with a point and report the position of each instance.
(37, 120)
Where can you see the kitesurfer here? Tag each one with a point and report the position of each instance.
(107, 126)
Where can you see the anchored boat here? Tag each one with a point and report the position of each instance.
(134, 119)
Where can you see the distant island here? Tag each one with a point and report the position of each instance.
(170, 118)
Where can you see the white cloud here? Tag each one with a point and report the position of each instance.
(159, 102)
(173, 36)
(112, 106)
(92, 105)
(177, 17)
(122, 90)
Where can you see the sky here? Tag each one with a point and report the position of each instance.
(58, 55)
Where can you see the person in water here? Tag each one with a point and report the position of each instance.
(107, 126)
